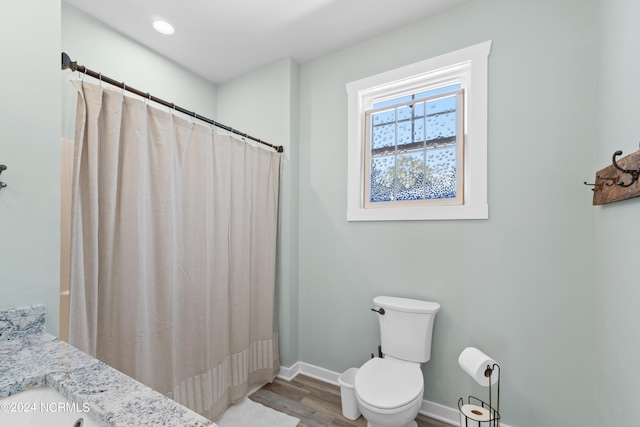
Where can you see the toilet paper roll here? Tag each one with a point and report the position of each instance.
(477, 416)
(474, 362)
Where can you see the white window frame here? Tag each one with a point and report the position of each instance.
(469, 66)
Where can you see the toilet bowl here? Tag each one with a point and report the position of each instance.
(389, 392)
(389, 389)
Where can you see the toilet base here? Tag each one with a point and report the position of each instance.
(411, 424)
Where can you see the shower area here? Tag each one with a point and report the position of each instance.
(168, 234)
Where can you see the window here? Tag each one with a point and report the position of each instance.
(414, 150)
(418, 140)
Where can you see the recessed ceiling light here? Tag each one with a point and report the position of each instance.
(163, 27)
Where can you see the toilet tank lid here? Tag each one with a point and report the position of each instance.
(406, 304)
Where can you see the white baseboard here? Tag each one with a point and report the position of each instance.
(441, 413)
(312, 371)
(434, 410)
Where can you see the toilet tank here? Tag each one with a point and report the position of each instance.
(406, 327)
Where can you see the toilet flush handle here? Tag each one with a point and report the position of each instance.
(379, 310)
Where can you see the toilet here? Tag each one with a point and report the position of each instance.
(389, 389)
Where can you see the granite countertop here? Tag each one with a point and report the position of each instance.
(31, 358)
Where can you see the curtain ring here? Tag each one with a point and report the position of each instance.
(124, 88)
(148, 98)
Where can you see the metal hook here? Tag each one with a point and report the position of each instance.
(611, 180)
(2, 168)
(598, 186)
(635, 174)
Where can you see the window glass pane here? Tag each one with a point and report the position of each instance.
(404, 134)
(418, 109)
(382, 117)
(404, 113)
(441, 119)
(382, 178)
(418, 122)
(441, 105)
(440, 182)
(383, 136)
(410, 175)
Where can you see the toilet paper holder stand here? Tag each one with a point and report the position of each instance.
(479, 413)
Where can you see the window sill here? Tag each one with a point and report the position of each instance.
(420, 214)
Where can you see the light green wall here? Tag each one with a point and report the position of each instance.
(617, 228)
(519, 286)
(29, 147)
(264, 104)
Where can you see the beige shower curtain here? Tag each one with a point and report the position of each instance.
(173, 250)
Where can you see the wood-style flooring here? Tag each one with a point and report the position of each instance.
(315, 402)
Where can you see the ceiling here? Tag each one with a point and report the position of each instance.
(222, 39)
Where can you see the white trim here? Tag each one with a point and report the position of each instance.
(441, 413)
(433, 410)
(475, 187)
(288, 374)
(322, 374)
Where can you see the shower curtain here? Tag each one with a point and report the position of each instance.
(173, 250)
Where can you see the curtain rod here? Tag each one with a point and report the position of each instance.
(67, 63)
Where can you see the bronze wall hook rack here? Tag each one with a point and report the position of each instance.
(635, 173)
(2, 169)
(604, 190)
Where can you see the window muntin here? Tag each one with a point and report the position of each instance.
(414, 150)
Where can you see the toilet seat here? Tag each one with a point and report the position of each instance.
(388, 384)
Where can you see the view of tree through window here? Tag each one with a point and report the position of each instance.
(413, 147)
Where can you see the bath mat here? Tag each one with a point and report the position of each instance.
(251, 414)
